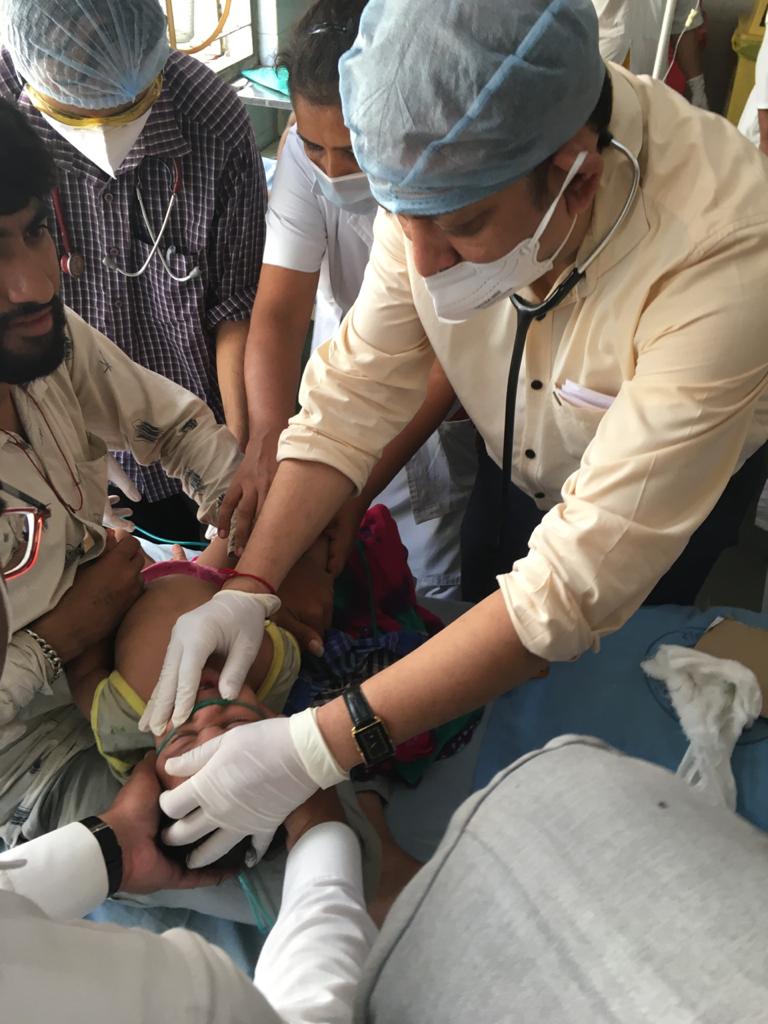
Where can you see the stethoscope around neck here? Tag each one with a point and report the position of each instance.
(73, 261)
(527, 312)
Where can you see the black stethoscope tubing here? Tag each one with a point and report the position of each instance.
(527, 312)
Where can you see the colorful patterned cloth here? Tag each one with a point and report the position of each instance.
(377, 621)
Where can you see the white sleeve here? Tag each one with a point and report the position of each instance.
(51, 970)
(63, 872)
(310, 966)
(761, 75)
(297, 236)
(613, 19)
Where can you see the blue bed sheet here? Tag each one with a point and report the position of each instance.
(607, 695)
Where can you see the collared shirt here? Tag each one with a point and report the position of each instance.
(669, 322)
(307, 232)
(217, 225)
(308, 971)
(97, 399)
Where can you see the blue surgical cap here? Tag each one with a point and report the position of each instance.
(448, 101)
(93, 54)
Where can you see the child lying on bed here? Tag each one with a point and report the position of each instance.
(114, 702)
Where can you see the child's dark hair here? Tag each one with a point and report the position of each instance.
(318, 41)
(27, 170)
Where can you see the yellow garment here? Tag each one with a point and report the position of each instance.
(117, 708)
(85, 120)
(671, 319)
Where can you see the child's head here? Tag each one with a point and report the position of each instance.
(211, 717)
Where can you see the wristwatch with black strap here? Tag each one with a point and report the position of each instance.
(110, 851)
(369, 732)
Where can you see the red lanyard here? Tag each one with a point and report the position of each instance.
(25, 449)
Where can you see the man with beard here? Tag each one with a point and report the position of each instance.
(67, 395)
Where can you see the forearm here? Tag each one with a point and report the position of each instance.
(467, 664)
(273, 364)
(323, 931)
(301, 502)
(231, 337)
(69, 639)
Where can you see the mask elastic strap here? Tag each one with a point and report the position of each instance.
(575, 168)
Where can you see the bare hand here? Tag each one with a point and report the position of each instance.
(134, 817)
(307, 601)
(342, 534)
(95, 604)
(248, 490)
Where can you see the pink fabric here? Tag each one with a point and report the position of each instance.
(173, 568)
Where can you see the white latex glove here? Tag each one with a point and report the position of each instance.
(231, 623)
(117, 518)
(117, 476)
(246, 782)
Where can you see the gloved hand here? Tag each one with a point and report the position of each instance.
(231, 623)
(246, 782)
(117, 476)
(117, 518)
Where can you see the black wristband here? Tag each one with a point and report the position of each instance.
(369, 732)
(110, 851)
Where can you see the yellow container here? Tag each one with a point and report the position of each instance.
(745, 44)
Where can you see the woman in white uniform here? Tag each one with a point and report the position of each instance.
(754, 119)
(319, 236)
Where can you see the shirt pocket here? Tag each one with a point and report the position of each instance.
(171, 302)
(576, 426)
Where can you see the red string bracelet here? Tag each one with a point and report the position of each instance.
(234, 574)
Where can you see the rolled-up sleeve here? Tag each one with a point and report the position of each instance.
(132, 408)
(662, 456)
(361, 388)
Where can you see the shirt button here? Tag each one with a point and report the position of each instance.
(117, 304)
(530, 453)
(113, 251)
(108, 197)
(536, 385)
(539, 495)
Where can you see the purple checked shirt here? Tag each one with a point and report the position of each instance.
(217, 225)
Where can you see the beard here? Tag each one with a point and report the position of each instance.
(36, 356)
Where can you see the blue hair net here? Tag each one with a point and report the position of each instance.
(93, 54)
(448, 101)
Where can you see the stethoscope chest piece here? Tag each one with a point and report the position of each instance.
(73, 264)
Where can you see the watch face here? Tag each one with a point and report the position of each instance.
(374, 743)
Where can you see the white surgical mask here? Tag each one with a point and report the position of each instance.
(349, 192)
(107, 146)
(462, 290)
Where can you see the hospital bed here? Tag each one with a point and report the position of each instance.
(605, 695)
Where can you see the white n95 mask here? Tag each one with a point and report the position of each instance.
(107, 146)
(462, 290)
(349, 192)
